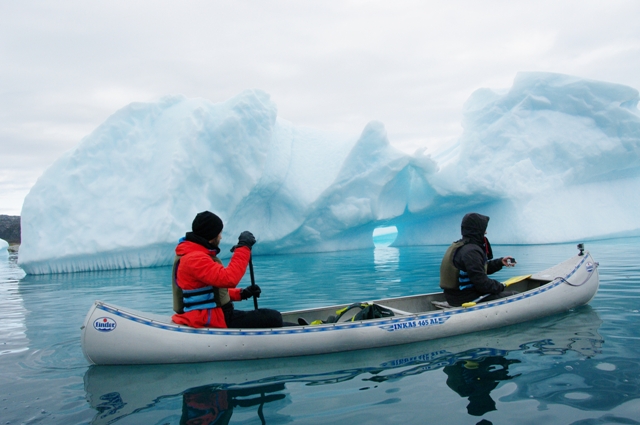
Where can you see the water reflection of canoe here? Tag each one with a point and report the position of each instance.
(114, 335)
(118, 391)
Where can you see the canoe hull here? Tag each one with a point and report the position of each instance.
(113, 335)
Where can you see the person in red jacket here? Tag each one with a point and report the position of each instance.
(206, 289)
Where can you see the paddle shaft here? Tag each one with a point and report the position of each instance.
(472, 303)
(253, 282)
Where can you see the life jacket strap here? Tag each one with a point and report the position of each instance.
(199, 299)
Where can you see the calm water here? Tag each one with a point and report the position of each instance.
(581, 367)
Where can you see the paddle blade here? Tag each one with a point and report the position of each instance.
(516, 279)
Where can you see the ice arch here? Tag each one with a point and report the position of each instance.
(384, 235)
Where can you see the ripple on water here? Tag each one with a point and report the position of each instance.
(60, 356)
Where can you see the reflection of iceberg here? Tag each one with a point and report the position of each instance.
(386, 259)
(140, 387)
(13, 330)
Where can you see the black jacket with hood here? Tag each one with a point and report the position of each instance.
(471, 258)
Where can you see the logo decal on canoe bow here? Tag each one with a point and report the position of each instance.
(589, 266)
(104, 324)
(417, 323)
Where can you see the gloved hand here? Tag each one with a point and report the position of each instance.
(250, 291)
(246, 238)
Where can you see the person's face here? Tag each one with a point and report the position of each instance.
(216, 241)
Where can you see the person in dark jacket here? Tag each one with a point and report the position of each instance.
(205, 290)
(468, 262)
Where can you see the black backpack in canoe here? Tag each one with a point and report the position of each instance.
(367, 312)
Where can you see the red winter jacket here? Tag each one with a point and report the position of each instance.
(197, 269)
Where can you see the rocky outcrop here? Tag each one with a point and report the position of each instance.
(10, 228)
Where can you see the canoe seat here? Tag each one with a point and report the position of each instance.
(440, 304)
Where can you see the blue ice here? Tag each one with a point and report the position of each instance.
(555, 158)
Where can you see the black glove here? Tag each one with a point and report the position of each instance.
(250, 291)
(246, 238)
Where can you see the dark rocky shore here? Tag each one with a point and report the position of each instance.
(10, 228)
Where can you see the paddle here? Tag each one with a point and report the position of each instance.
(507, 282)
(253, 282)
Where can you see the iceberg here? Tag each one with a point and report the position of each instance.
(4, 246)
(555, 158)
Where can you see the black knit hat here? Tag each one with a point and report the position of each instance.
(207, 224)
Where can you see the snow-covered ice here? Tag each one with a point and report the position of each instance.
(3, 248)
(555, 158)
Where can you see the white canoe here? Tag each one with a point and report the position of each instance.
(115, 335)
(116, 392)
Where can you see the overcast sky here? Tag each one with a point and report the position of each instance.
(65, 66)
